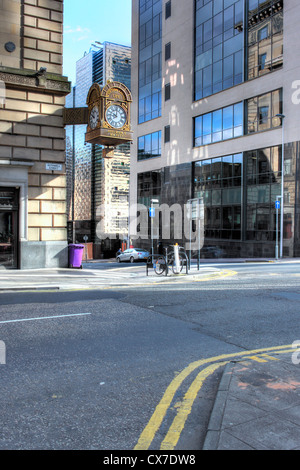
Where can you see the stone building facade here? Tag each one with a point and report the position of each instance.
(33, 223)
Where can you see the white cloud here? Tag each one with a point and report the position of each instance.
(78, 29)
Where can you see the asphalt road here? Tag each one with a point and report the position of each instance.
(87, 369)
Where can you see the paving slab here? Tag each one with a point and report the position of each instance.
(257, 406)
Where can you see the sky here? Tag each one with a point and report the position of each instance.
(87, 21)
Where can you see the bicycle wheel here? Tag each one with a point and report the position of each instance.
(160, 266)
(178, 269)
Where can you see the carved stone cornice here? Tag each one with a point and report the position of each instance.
(27, 79)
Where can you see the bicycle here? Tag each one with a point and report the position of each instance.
(164, 263)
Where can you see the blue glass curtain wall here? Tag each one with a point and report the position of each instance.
(150, 59)
(235, 40)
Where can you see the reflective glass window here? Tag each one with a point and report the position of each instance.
(149, 146)
(222, 124)
(265, 37)
(150, 59)
(262, 111)
(219, 46)
(218, 181)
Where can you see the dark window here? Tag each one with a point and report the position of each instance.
(167, 134)
(9, 205)
(167, 91)
(168, 51)
(168, 9)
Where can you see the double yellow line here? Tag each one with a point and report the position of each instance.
(171, 439)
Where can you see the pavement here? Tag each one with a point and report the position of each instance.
(93, 275)
(257, 405)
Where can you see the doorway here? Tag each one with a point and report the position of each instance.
(9, 227)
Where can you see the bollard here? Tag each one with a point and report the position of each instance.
(176, 255)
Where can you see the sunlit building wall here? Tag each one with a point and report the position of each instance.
(226, 69)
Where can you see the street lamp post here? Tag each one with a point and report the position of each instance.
(277, 207)
(282, 116)
(152, 216)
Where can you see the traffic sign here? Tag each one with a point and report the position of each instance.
(152, 212)
(277, 205)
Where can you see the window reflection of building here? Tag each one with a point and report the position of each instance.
(149, 186)
(265, 37)
(219, 182)
(262, 111)
(263, 170)
(227, 123)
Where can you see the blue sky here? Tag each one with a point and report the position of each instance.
(87, 21)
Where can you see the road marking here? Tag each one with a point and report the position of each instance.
(270, 358)
(185, 408)
(256, 359)
(156, 419)
(220, 275)
(44, 318)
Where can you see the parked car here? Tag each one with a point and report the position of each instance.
(133, 254)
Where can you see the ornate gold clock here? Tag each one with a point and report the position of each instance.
(109, 114)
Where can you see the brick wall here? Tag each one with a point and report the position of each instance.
(31, 128)
(10, 31)
(42, 35)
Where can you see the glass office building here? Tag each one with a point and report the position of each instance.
(227, 131)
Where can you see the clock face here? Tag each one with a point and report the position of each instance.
(94, 117)
(116, 116)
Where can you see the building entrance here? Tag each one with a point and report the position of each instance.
(9, 217)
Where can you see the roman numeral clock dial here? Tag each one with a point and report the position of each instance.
(116, 116)
(94, 117)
